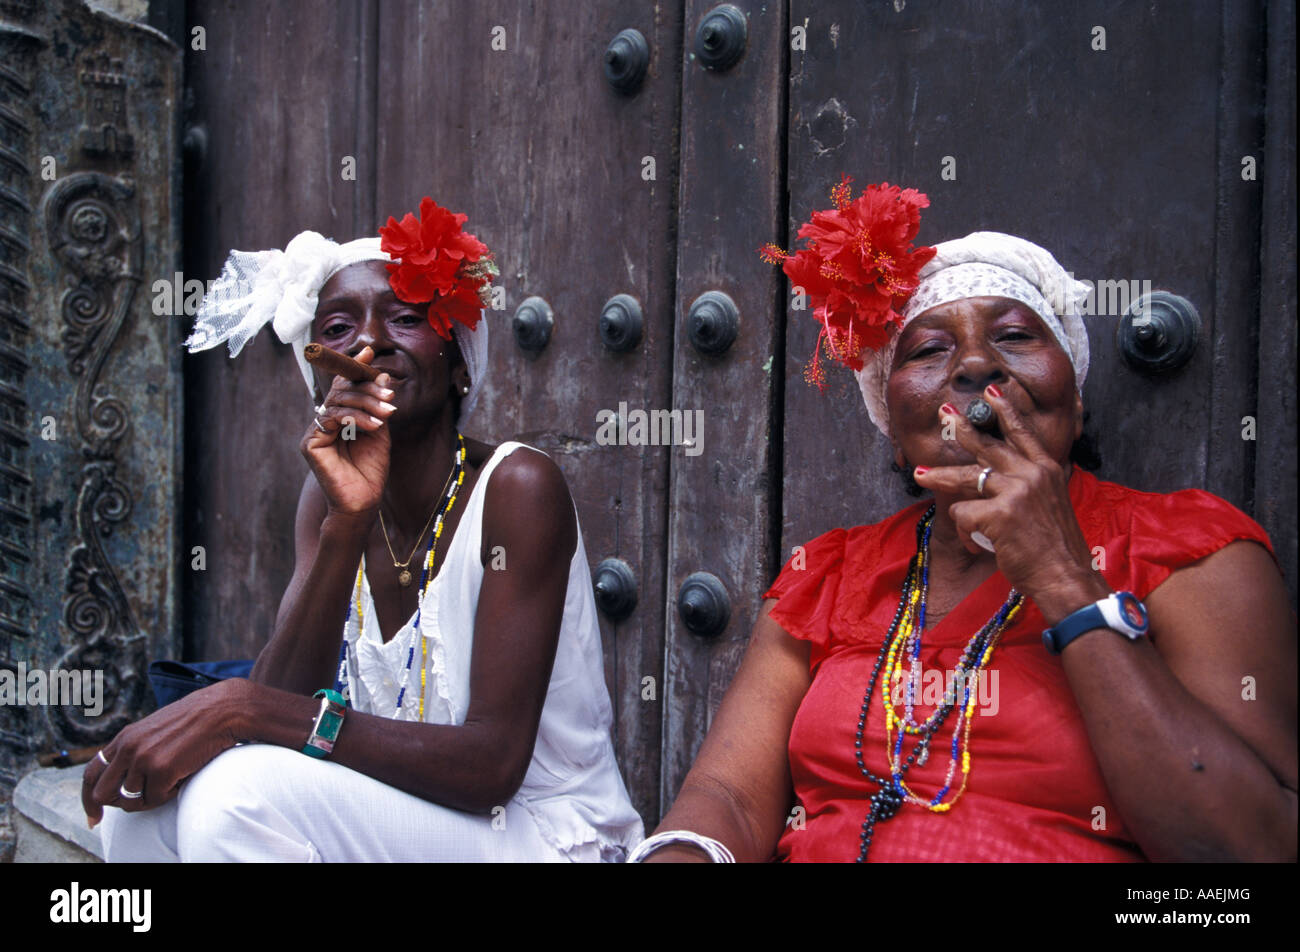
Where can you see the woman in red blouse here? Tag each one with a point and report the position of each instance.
(1173, 743)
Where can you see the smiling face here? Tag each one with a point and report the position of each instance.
(950, 353)
(356, 308)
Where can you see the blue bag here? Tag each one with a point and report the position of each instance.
(172, 680)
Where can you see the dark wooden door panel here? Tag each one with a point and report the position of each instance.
(724, 498)
(548, 161)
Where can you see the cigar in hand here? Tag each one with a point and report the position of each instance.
(980, 414)
(332, 362)
(67, 758)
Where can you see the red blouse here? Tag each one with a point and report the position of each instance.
(1035, 791)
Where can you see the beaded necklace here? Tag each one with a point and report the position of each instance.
(454, 482)
(903, 640)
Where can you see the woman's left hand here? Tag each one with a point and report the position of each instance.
(1024, 511)
(154, 756)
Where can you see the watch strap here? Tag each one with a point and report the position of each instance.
(1120, 611)
(1072, 626)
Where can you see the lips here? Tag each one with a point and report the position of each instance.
(395, 374)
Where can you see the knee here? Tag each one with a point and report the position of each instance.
(232, 804)
(148, 837)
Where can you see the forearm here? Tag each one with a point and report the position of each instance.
(302, 654)
(1188, 788)
(709, 808)
(455, 766)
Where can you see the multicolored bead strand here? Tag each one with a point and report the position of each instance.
(426, 578)
(903, 641)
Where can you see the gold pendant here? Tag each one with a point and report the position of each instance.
(404, 578)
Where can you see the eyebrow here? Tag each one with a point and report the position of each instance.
(1009, 305)
(346, 301)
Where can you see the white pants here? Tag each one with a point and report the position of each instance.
(263, 803)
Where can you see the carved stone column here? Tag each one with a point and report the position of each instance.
(90, 408)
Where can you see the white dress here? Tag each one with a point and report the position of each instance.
(262, 802)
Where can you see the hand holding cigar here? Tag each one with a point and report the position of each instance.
(332, 362)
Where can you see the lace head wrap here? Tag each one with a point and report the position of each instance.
(987, 264)
(282, 288)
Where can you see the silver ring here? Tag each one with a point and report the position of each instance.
(129, 794)
(984, 475)
(99, 755)
(318, 426)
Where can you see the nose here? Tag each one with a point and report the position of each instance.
(977, 365)
(372, 332)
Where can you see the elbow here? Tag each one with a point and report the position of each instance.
(507, 779)
(500, 775)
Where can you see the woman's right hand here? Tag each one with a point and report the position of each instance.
(352, 472)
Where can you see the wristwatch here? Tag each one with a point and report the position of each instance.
(328, 722)
(1120, 612)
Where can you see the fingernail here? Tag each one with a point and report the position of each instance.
(387, 406)
(948, 409)
(921, 470)
(375, 420)
(992, 390)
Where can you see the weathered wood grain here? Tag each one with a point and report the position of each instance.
(1275, 464)
(722, 501)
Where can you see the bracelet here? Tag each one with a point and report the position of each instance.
(320, 743)
(717, 853)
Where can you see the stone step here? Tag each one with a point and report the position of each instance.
(49, 821)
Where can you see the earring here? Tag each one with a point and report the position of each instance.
(465, 390)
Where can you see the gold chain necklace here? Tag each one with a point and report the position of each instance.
(404, 575)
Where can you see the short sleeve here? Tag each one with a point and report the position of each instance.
(1169, 532)
(807, 588)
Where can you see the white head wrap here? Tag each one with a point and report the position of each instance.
(281, 287)
(987, 264)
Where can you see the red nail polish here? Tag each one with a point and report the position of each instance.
(949, 409)
(992, 390)
(921, 470)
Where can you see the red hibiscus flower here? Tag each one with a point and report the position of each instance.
(439, 263)
(858, 268)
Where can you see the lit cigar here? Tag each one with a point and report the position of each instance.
(67, 758)
(332, 362)
(980, 414)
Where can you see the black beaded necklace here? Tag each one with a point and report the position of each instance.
(887, 800)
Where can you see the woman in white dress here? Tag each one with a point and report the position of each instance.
(440, 586)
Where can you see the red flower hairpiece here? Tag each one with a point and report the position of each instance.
(858, 269)
(439, 263)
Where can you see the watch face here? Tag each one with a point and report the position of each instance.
(1133, 611)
